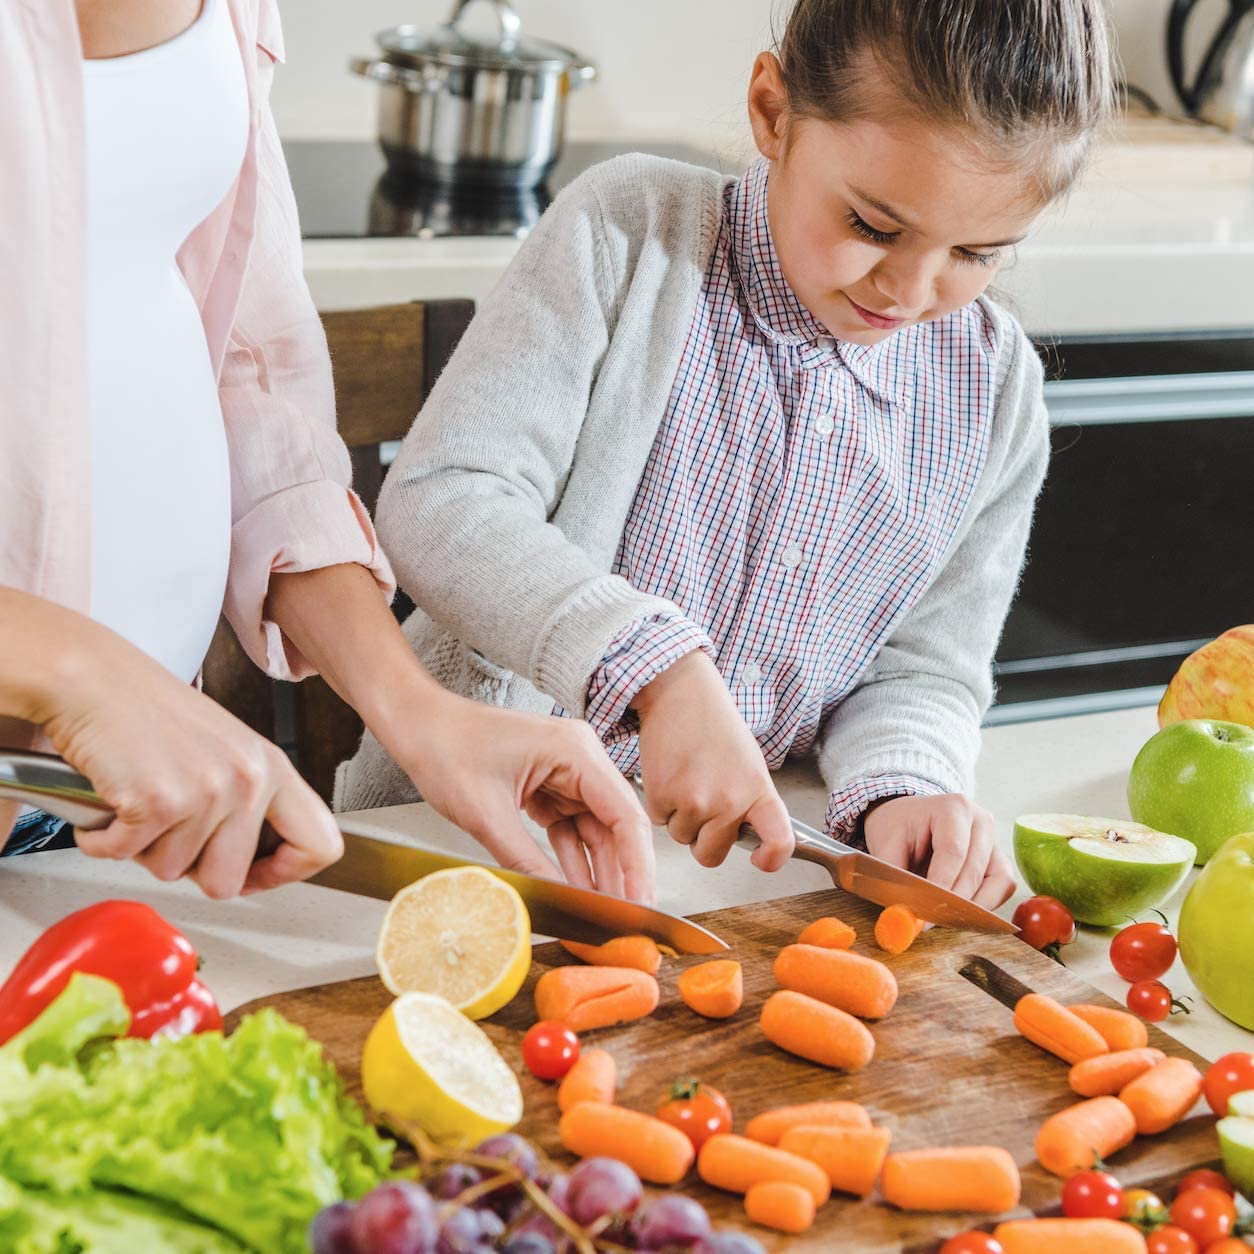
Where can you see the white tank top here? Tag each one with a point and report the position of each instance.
(166, 134)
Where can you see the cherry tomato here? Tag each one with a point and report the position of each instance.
(1143, 951)
(1092, 1195)
(1170, 1240)
(1233, 1073)
(1153, 1001)
(972, 1243)
(1143, 1209)
(1207, 1214)
(1045, 924)
(550, 1050)
(697, 1110)
(1204, 1178)
(1229, 1245)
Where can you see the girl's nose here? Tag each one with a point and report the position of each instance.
(907, 284)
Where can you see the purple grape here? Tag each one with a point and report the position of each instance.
(671, 1220)
(514, 1150)
(455, 1179)
(528, 1243)
(557, 1189)
(331, 1231)
(468, 1231)
(398, 1217)
(728, 1243)
(602, 1186)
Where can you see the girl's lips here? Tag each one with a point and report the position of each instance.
(878, 321)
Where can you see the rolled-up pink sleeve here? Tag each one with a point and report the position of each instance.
(292, 508)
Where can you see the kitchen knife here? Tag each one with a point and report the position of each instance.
(887, 885)
(372, 867)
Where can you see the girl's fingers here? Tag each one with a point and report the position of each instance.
(979, 855)
(769, 818)
(999, 883)
(951, 840)
(714, 840)
(570, 853)
(603, 853)
(684, 826)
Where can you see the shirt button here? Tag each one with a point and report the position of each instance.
(791, 557)
(751, 674)
(826, 341)
(824, 425)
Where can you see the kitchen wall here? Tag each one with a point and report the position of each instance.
(669, 68)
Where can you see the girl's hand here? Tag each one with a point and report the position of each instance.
(704, 775)
(950, 836)
(479, 765)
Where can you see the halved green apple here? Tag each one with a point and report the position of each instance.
(1236, 1142)
(1102, 870)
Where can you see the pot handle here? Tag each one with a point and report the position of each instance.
(429, 79)
(506, 15)
(580, 75)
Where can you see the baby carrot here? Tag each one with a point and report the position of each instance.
(736, 1164)
(851, 1157)
(595, 997)
(640, 952)
(1162, 1096)
(1119, 1029)
(859, 986)
(897, 929)
(1069, 1236)
(593, 1078)
(770, 1125)
(781, 1205)
(814, 1030)
(713, 989)
(1074, 1139)
(828, 933)
(976, 1178)
(1053, 1027)
(654, 1150)
(1106, 1074)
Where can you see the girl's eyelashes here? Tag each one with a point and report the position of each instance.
(969, 258)
(966, 256)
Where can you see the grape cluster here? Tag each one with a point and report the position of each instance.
(600, 1194)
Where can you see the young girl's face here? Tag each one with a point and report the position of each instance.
(881, 224)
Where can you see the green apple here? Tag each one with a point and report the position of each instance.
(1196, 779)
(1102, 870)
(1216, 931)
(1236, 1143)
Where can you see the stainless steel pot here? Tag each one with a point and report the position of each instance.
(458, 108)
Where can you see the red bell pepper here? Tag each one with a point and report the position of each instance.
(127, 942)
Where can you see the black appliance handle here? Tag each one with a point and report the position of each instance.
(1191, 96)
(1177, 19)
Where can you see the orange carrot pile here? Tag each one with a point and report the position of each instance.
(781, 1205)
(1106, 1074)
(736, 1164)
(850, 1157)
(859, 986)
(595, 997)
(1162, 1096)
(770, 1125)
(974, 1178)
(897, 928)
(828, 933)
(654, 1150)
(814, 1030)
(713, 989)
(1118, 1028)
(1075, 1138)
(1069, 1236)
(1053, 1027)
(593, 1078)
(638, 952)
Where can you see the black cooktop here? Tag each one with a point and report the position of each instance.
(344, 190)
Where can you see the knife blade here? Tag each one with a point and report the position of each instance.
(872, 879)
(373, 867)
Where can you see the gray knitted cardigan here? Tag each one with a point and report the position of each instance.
(504, 509)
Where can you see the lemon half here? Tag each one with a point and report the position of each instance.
(463, 934)
(425, 1061)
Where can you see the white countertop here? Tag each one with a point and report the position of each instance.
(1158, 237)
(302, 935)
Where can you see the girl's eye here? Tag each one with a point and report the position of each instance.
(867, 231)
(969, 258)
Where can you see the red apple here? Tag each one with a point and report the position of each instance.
(1216, 682)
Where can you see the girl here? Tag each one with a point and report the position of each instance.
(738, 470)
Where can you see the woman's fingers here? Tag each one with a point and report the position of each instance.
(310, 840)
(571, 855)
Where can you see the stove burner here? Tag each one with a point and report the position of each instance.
(402, 204)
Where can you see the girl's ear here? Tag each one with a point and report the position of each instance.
(768, 105)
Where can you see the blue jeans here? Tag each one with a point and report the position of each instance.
(37, 831)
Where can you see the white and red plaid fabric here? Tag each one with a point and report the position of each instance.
(799, 495)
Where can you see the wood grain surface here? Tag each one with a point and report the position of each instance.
(949, 1068)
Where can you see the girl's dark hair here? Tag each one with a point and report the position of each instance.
(1034, 79)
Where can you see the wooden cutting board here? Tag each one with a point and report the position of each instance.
(949, 1068)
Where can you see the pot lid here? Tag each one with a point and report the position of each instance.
(505, 48)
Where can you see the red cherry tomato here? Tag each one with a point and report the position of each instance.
(1092, 1195)
(1204, 1178)
(550, 1050)
(1153, 1001)
(972, 1243)
(1208, 1215)
(1045, 924)
(697, 1110)
(1170, 1240)
(1233, 1073)
(1143, 951)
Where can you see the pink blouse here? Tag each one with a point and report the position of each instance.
(291, 506)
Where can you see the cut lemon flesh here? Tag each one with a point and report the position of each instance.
(462, 934)
(425, 1061)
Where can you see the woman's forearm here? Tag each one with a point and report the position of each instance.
(43, 647)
